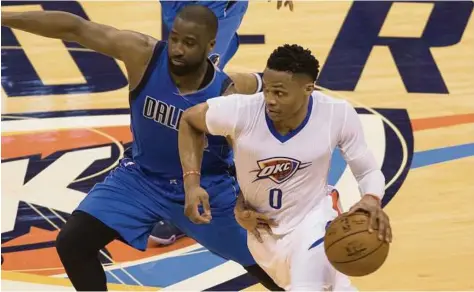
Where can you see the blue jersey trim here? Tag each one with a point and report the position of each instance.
(291, 134)
(157, 50)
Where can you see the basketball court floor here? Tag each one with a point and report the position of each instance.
(408, 68)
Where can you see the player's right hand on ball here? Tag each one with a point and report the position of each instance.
(378, 218)
(194, 198)
(252, 221)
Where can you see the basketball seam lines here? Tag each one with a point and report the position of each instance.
(343, 238)
(345, 262)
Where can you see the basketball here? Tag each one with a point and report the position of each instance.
(351, 249)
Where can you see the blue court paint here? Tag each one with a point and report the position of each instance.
(338, 165)
(168, 271)
(434, 156)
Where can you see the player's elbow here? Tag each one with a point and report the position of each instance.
(195, 118)
(71, 28)
(186, 117)
(190, 114)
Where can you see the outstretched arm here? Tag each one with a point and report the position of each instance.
(133, 48)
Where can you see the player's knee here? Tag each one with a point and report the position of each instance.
(71, 240)
(67, 244)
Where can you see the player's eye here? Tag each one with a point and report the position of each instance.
(189, 43)
(279, 93)
(174, 39)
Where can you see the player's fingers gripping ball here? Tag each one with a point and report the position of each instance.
(351, 248)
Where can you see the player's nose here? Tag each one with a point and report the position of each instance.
(270, 99)
(177, 50)
(271, 103)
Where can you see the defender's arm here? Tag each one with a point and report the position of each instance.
(218, 116)
(191, 138)
(246, 83)
(133, 48)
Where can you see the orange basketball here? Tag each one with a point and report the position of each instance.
(351, 249)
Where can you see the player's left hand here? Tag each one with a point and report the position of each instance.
(195, 197)
(252, 221)
(288, 3)
(378, 218)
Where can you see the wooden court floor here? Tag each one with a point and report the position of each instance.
(65, 124)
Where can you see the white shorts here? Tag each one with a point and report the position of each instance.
(297, 261)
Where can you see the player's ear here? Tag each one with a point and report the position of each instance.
(212, 44)
(309, 88)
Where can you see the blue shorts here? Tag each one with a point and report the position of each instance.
(131, 202)
(229, 14)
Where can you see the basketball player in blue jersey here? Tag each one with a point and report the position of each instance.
(165, 79)
(229, 15)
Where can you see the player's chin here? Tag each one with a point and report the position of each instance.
(275, 117)
(179, 69)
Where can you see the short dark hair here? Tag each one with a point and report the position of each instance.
(202, 15)
(295, 59)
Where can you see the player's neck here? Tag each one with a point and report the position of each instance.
(288, 125)
(190, 82)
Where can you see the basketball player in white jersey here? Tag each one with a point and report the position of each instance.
(283, 139)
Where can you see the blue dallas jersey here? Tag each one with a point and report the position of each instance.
(156, 108)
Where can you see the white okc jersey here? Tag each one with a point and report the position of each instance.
(286, 176)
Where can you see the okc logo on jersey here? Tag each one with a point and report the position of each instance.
(278, 169)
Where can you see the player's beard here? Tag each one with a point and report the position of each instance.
(186, 68)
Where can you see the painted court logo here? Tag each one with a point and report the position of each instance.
(278, 169)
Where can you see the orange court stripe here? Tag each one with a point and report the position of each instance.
(440, 122)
